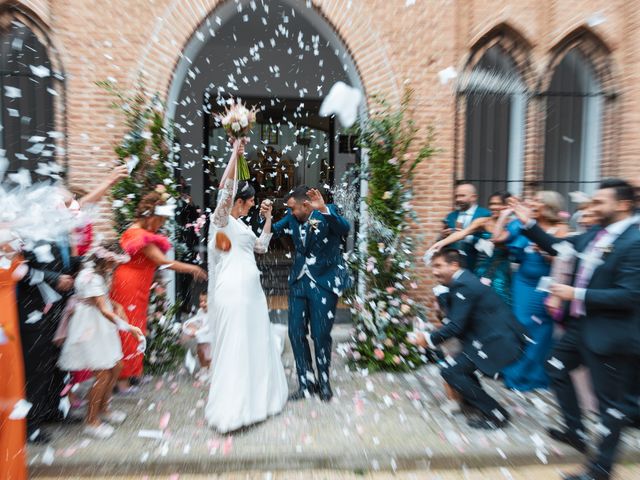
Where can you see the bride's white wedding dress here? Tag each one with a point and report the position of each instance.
(248, 382)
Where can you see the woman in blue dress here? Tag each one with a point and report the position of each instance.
(528, 372)
(493, 266)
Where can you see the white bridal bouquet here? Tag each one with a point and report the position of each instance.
(237, 121)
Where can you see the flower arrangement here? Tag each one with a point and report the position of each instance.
(386, 313)
(164, 351)
(237, 121)
(148, 150)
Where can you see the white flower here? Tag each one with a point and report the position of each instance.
(244, 121)
(235, 126)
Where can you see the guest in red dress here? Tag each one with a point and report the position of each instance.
(132, 281)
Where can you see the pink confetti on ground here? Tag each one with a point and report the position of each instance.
(164, 420)
(227, 446)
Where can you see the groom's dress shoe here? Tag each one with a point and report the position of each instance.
(325, 392)
(303, 393)
(570, 439)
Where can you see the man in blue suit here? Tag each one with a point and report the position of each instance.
(603, 322)
(490, 335)
(317, 278)
(467, 210)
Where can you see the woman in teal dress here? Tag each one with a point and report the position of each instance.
(528, 372)
(493, 266)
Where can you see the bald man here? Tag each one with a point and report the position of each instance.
(467, 210)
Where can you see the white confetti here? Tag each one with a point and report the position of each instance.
(554, 362)
(190, 362)
(342, 101)
(152, 434)
(34, 317)
(12, 92)
(40, 70)
(20, 410)
(64, 406)
(446, 75)
(48, 456)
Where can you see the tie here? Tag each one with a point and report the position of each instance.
(584, 276)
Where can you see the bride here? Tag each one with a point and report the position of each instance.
(248, 382)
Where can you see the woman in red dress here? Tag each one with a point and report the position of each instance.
(132, 281)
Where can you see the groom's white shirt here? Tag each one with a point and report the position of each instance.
(303, 237)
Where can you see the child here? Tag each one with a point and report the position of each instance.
(92, 341)
(198, 327)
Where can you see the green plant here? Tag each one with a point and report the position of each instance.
(386, 312)
(164, 350)
(148, 147)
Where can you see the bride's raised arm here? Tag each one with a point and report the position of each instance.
(262, 243)
(228, 185)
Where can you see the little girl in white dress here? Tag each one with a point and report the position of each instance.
(92, 341)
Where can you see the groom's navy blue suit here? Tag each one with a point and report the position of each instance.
(317, 278)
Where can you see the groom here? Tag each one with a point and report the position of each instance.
(317, 278)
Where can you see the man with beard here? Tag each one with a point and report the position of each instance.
(602, 315)
(467, 210)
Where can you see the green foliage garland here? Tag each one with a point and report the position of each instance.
(151, 147)
(164, 351)
(387, 312)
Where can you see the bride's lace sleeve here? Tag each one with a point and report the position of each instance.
(262, 243)
(225, 203)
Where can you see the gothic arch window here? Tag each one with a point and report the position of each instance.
(573, 125)
(494, 95)
(28, 87)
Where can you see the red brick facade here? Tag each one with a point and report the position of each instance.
(392, 45)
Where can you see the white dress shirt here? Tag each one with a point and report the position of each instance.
(427, 335)
(303, 236)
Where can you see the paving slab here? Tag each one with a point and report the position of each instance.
(376, 422)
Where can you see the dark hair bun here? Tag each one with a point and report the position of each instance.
(148, 203)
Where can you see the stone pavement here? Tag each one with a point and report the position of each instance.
(537, 472)
(378, 422)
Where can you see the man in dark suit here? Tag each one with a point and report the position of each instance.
(491, 336)
(603, 321)
(467, 210)
(318, 277)
(42, 296)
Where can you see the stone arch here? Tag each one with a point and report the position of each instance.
(512, 42)
(33, 15)
(593, 48)
(598, 55)
(515, 81)
(183, 25)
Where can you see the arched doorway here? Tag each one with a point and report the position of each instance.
(32, 86)
(283, 58)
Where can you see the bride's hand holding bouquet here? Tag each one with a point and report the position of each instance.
(237, 121)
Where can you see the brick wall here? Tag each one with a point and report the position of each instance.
(392, 47)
